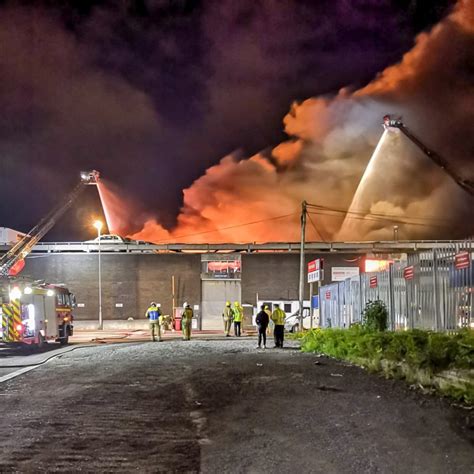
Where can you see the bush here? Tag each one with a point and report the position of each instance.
(375, 316)
(432, 352)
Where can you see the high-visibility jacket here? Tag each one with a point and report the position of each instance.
(228, 313)
(238, 313)
(278, 317)
(187, 315)
(153, 313)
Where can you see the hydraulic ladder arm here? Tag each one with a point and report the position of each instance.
(465, 184)
(22, 248)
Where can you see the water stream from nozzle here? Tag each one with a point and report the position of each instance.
(102, 195)
(348, 230)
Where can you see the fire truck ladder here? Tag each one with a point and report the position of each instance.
(22, 248)
(465, 184)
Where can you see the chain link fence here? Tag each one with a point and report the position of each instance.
(430, 290)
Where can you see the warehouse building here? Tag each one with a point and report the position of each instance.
(205, 276)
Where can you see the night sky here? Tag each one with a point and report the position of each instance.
(152, 93)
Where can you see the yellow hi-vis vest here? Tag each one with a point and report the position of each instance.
(238, 314)
(278, 317)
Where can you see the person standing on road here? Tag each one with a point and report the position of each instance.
(270, 324)
(261, 321)
(238, 317)
(153, 313)
(278, 317)
(228, 315)
(187, 322)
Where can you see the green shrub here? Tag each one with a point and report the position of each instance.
(375, 316)
(432, 352)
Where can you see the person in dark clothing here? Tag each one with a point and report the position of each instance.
(262, 323)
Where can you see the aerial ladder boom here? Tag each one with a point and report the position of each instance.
(467, 185)
(23, 247)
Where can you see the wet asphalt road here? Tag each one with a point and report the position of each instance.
(221, 406)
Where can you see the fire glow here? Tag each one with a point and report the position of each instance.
(329, 158)
(374, 265)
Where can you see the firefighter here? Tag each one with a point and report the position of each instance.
(153, 313)
(271, 326)
(187, 322)
(228, 316)
(262, 322)
(238, 317)
(278, 317)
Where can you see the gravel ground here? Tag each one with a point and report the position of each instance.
(221, 406)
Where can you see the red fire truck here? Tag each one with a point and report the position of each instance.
(35, 314)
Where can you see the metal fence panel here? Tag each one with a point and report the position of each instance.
(438, 295)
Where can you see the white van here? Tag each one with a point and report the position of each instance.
(291, 309)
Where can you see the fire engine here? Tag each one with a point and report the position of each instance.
(36, 313)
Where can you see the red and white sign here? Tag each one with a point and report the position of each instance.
(409, 272)
(373, 282)
(328, 295)
(315, 265)
(315, 270)
(462, 260)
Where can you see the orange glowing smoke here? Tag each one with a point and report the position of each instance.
(331, 141)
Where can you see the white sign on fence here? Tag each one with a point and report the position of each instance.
(341, 273)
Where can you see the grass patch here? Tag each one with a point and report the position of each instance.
(414, 355)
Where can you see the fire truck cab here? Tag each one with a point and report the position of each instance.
(35, 314)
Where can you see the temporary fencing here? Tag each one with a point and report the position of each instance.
(429, 290)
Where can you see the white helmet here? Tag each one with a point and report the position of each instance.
(185, 304)
(158, 305)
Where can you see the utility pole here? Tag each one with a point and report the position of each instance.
(173, 304)
(98, 225)
(301, 285)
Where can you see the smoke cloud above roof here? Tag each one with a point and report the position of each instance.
(330, 143)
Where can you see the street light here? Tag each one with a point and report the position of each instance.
(98, 225)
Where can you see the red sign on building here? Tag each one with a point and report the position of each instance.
(462, 260)
(373, 282)
(409, 272)
(315, 265)
(328, 295)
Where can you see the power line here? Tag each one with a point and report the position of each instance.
(327, 211)
(317, 231)
(229, 227)
(375, 218)
(364, 213)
